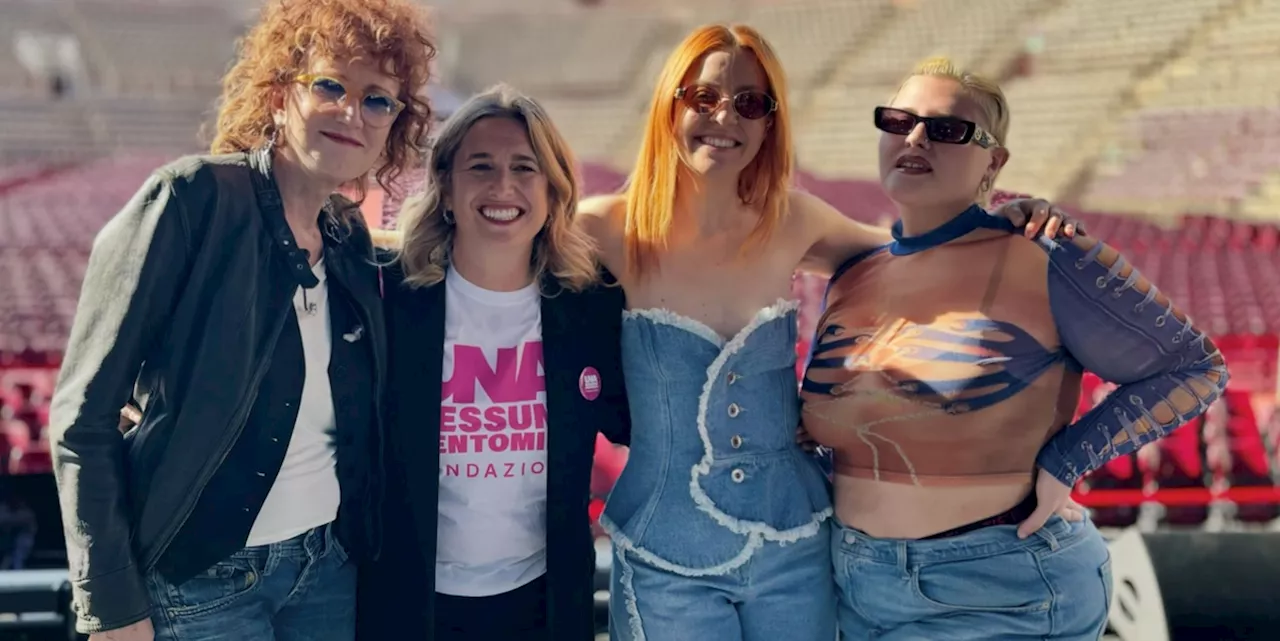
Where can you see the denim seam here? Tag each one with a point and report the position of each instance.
(161, 590)
(644, 515)
(914, 581)
(851, 599)
(973, 553)
(700, 498)
(308, 563)
(754, 542)
(626, 577)
(179, 612)
(1053, 594)
(663, 316)
(1108, 587)
(272, 560)
(1065, 544)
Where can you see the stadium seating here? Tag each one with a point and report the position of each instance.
(976, 33)
(1162, 110)
(24, 411)
(1206, 139)
(155, 48)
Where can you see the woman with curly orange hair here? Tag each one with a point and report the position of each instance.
(236, 298)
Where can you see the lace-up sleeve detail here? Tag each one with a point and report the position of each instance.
(1115, 323)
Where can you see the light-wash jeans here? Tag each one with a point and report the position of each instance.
(782, 592)
(985, 585)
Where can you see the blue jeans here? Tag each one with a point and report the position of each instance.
(781, 592)
(986, 585)
(302, 589)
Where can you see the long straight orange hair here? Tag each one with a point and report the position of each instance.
(651, 188)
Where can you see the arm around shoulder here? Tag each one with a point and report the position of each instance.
(602, 217)
(1115, 323)
(136, 270)
(831, 237)
(617, 423)
(601, 205)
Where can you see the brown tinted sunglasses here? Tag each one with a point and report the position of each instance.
(750, 105)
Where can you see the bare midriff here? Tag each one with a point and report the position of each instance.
(902, 511)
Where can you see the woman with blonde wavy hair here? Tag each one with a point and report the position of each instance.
(505, 363)
(235, 298)
(719, 520)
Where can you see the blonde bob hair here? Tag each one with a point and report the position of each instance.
(560, 250)
(985, 93)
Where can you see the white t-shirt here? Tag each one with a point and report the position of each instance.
(305, 494)
(493, 442)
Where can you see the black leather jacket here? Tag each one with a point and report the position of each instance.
(184, 297)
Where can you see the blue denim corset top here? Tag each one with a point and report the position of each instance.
(714, 470)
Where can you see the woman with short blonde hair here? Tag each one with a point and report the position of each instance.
(946, 374)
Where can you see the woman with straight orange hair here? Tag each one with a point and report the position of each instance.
(720, 521)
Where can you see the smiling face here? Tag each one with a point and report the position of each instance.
(918, 172)
(721, 141)
(334, 120)
(498, 192)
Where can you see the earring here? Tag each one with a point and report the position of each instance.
(271, 134)
(448, 217)
(985, 185)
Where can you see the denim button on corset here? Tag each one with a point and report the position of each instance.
(714, 470)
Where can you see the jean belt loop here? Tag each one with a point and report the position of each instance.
(903, 561)
(313, 543)
(1049, 537)
(330, 537)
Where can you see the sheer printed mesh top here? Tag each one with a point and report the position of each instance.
(955, 358)
(714, 471)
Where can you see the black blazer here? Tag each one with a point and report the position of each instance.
(579, 330)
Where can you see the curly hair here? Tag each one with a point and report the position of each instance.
(292, 33)
(562, 249)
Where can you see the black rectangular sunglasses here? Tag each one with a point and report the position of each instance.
(942, 129)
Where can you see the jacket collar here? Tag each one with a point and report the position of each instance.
(267, 192)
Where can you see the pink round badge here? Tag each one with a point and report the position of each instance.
(589, 383)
